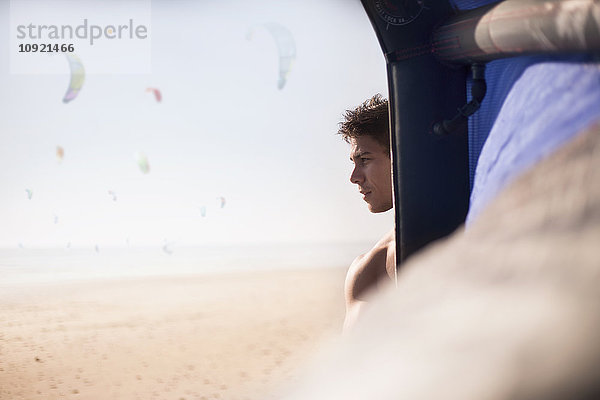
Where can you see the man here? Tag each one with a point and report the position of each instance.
(507, 309)
(366, 128)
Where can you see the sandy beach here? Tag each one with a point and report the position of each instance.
(198, 337)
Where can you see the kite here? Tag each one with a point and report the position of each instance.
(60, 153)
(113, 194)
(166, 248)
(286, 47)
(156, 92)
(142, 162)
(77, 77)
(29, 193)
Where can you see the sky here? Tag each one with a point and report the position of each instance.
(222, 129)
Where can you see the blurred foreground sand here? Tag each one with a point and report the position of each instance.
(230, 336)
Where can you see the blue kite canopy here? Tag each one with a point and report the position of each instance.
(533, 105)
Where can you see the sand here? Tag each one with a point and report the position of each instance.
(229, 336)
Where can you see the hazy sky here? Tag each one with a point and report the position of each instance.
(222, 129)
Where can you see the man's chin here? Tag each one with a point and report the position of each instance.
(376, 209)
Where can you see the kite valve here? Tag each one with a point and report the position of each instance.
(478, 90)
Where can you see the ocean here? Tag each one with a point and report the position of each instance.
(24, 266)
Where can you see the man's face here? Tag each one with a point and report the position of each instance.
(372, 173)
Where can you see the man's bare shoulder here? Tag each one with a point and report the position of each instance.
(368, 269)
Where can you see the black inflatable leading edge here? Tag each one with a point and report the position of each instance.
(430, 172)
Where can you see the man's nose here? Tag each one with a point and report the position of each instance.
(356, 176)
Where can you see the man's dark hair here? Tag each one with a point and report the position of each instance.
(371, 118)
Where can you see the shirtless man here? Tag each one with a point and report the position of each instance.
(367, 130)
